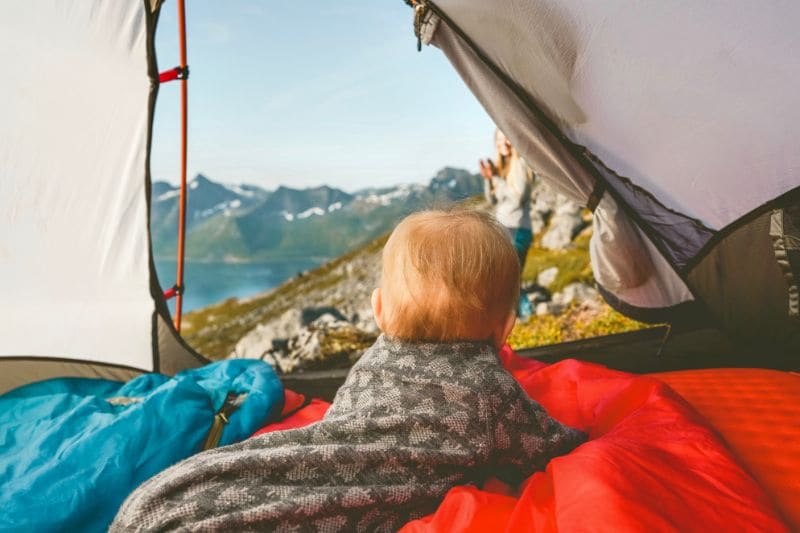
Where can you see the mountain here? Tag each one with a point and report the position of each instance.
(205, 200)
(247, 223)
(291, 203)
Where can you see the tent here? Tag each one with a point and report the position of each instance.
(676, 125)
(80, 295)
(683, 146)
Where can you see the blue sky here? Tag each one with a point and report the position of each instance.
(308, 92)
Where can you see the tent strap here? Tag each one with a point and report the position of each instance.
(597, 195)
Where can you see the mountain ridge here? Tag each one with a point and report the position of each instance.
(241, 223)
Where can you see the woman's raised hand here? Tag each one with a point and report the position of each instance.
(487, 168)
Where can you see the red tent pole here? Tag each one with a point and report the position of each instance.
(184, 135)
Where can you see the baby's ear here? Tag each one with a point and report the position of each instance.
(503, 330)
(377, 307)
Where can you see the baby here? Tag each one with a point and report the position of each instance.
(426, 408)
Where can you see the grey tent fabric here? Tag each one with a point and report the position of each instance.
(626, 263)
(686, 118)
(78, 288)
(19, 371)
(743, 283)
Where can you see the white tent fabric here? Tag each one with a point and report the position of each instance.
(688, 111)
(663, 92)
(650, 282)
(74, 251)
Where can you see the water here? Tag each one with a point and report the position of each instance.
(209, 283)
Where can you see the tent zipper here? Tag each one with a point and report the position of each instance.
(420, 10)
(221, 418)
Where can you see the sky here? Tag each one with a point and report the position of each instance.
(310, 92)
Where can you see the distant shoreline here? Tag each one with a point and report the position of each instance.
(209, 282)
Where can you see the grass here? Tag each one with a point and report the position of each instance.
(572, 324)
(572, 263)
(576, 322)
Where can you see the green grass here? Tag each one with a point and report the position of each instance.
(572, 324)
(575, 322)
(572, 263)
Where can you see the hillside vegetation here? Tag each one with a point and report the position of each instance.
(253, 327)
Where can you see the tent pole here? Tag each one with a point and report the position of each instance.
(184, 134)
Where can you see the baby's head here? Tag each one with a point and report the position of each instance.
(448, 275)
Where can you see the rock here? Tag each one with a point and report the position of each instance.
(328, 321)
(363, 320)
(325, 343)
(310, 314)
(543, 203)
(304, 348)
(535, 293)
(260, 339)
(538, 296)
(538, 222)
(565, 224)
(547, 276)
(544, 200)
(549, 308)
(574, 293)
(313, 337)
(578, 292)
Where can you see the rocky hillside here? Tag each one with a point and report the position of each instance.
(237, 223)
(322, 318)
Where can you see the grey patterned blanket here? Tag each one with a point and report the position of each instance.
(411, 421)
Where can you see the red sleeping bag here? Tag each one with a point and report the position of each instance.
(651, 464)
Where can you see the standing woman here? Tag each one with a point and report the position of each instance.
(507, 187)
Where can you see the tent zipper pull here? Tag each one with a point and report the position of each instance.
(420, 9)
(221, 419)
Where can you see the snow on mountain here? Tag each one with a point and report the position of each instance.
(168, 195)
(247, 222)
(311, 211)
(389, 195)
(227, 209)
(248, 191)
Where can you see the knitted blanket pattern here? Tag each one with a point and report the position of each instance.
(412, 420)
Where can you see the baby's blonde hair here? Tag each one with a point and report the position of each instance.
(449, 275)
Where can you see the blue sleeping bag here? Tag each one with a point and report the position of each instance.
(71, 450)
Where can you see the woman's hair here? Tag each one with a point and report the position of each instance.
(502, 162)
(448, 275)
